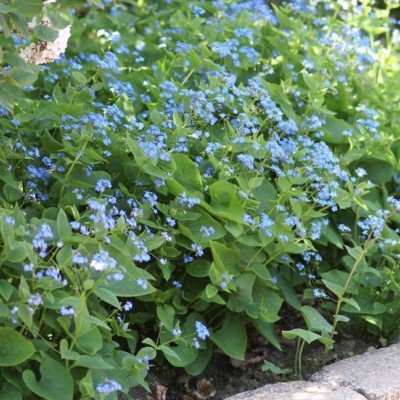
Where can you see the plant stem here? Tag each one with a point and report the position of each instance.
(296, 358)
(341, 298)
(303, 342)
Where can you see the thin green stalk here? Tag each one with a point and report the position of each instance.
(300, 359)
(72, 166)
(341, 297)
(296, 358)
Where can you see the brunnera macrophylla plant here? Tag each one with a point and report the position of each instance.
(190, 170)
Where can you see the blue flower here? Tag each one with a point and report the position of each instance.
(128, 306)
(207, 231)
(108, 386)
(319, 293)
(372, 225)
(190, 202)
(201, 330)
(102, 185)
(265, 224)
(343, 228)
(247, 160)
(67, 311)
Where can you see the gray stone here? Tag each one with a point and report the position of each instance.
(299, 391)
(375, 374)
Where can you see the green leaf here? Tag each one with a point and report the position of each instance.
(211, 291)
(308, 336)
(354, 251)
(314, 320)
(378, 171)
(91, 342)
(187, 173)
(11, 193)
(191, 229)
(27, 8)
(288, 292)
(269, 367)
(335, 281)
(265, 194)
(6, 289)
(369, 277)
(168, 351)
(57, 19)
(23, 289)
(195, 60)
(9, 95)
(334, 287)
(24, 75)
(129, 287)
(166, 315)
(10, 393)
(232, 337)
(107, 296)
(201, 361)
(333, 129)
(352, 303)
(14, 348)
(45, 33)
(225, 202)
(265, 305)
(181, 355)
(267, 331)
(332, 236)
(17, 252)
(225, 259)
(242, 299)
(64, 230)
(56, 382)
(93, 362)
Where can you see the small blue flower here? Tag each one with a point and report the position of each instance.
(201, 330)
(128, 306)
(319, 293)
(108, 386)
(343, 228)
(102, 185)
(247, 160)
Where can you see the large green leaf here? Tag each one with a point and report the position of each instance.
(308, 336)
(378, 171)
(45, 33)
(63, 228)
(266, 330)
(232, 337)
(225, 202)
(266, 304)
(56, 382)
(187, 173)
(14, 348)
(225, 259)
(242, 299)
(10, 393)
(201, 361)
(314, 320)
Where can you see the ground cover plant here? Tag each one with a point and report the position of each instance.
(182, 174)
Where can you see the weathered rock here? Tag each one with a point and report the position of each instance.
(299, 391)
(375, 374)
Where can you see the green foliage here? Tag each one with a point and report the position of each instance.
(187, 173)
(14, 348)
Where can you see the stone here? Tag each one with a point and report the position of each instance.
(299, 391)
(374, 374)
